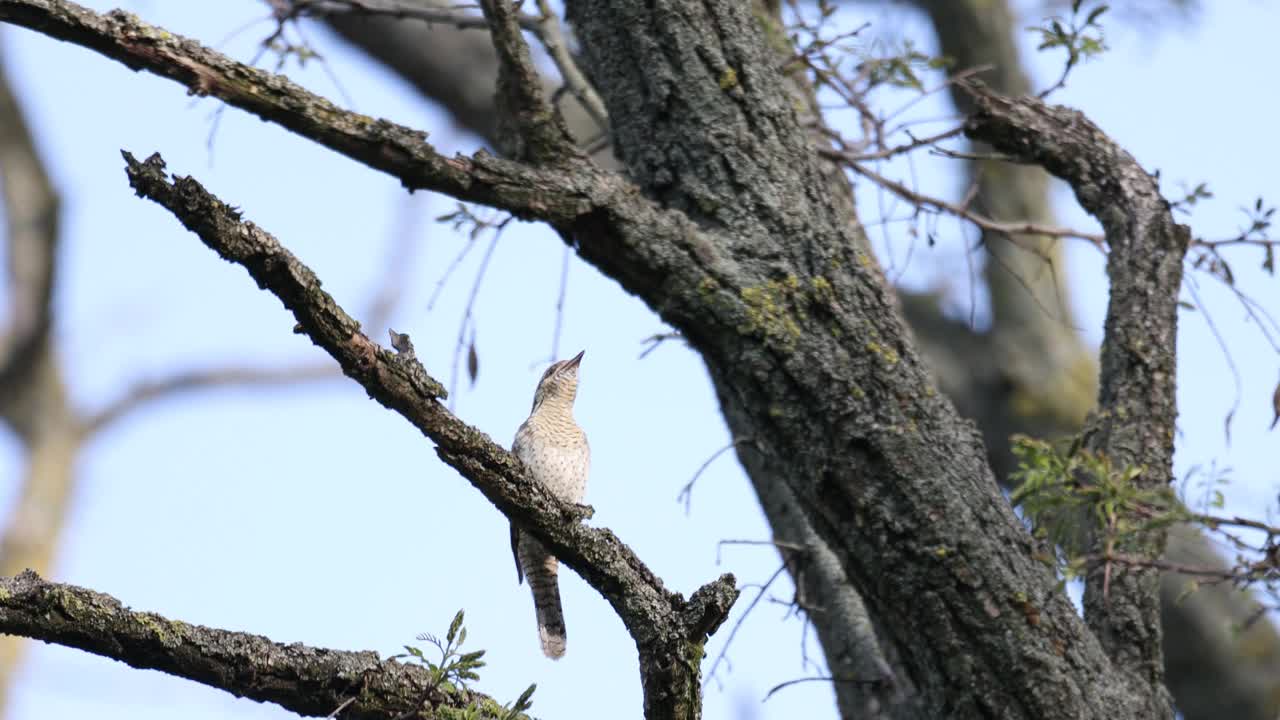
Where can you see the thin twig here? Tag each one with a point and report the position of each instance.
(564, 289)
(552, 39)
(467, 321)
(711, 672)
(925, 201)
(340, 708)
(686, 493)
(772, 543)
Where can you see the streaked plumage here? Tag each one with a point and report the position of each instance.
(555, 451)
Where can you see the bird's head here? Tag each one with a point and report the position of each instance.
(559, 383)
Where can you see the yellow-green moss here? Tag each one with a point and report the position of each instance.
(769, 311)
(885, 353)
(728, 79)
(775, 308)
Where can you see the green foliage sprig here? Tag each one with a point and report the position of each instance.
(455, 669)
(1081, 37)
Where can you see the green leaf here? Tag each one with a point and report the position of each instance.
(454, 627)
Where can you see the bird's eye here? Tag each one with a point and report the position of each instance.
(550, 371)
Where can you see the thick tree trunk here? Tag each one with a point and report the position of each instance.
(1042, 385)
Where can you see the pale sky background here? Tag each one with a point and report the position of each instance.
(313, 515)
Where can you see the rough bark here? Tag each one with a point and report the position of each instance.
(668, 630)
(747, 254)
(1135, 424)
(713, 148)
(457, 68)
(308, 681)
(1041, 381)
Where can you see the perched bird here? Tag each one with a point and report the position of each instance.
(554, 449)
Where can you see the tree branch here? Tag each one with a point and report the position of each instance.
(668, 631)
(306, 680)
(1135, 426)
(144, 393)
(395, 149)
(31, 228)
(533, 131)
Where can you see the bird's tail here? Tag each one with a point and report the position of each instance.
(541, 568)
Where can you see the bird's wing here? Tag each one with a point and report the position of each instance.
(515, 552)
(517, 449)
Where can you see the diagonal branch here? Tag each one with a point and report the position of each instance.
(380, 144)
(668, 631)
(534, 131)
(306, 680)
(1136, 422)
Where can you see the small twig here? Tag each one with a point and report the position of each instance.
(711, 672)
(564, 289)
(467, 322)
(552, 38)
(1010, 229)
(773, 543)
(340, 708)
(401, 9)
(797, 681)
(915, 144)
(655, 340)
(1226, 354)
(686, 492)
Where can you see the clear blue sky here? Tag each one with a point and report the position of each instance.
(312, 515)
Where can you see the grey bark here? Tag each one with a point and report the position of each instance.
(762, 273)
(309, 681)
(668, 630)
(1040, 380)
(1135, 422)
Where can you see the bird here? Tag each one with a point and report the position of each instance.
(554, 450)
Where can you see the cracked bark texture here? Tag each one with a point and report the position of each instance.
(1136, 420)
(668, 631)
(1043, 383)
(456, 69)
(760, 304)
(306, 680)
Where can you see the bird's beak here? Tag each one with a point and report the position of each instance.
(575, 360)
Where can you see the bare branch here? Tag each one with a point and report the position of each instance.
(306, 680)
(289, 9)
(145, 393)
(1138, 357)
(668, 631)
(1011, 229)
(386, 146)
(537, 133)
(552, 38)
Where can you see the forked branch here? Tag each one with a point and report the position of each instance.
(667, 629)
